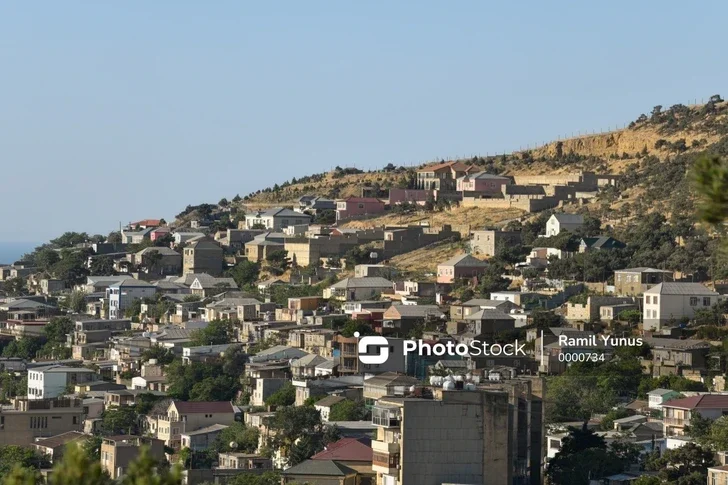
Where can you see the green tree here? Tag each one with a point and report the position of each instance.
(12, 456)
(119, 420)
(246, 439)
(245, 272)
(71, 268)
(102, 266)
(145, 470)
(57, 328)
(217, 332)
(684, 461)
(133, 310)
(45, 258)
(76, 301)
(267, 478)
(162, 355)
(285, 396)
(14, 286)
(348, 411)
(69, 239)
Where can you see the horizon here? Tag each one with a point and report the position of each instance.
(202, 97)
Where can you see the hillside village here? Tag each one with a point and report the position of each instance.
(227, 340)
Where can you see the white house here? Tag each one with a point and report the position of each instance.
(357, 289)
(324, 406)
(276, 218)
(122, 294)
(671, 302)
(658, 397)
(563, 222)
(51, 381)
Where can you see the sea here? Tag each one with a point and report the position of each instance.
(12, 251)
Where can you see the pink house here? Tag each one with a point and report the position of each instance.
(458, 267)
(159, 232)
(412, 196)
(482, 183)
(358, 206)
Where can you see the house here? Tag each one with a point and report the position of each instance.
(599, 243)
(26, 419)
(358, 288)
(324, 405)
(96, 284)
(353, 452)
(718, 475)
(324, 472)
(459, 311)
(563, 222)
(185, 237)
(590, 310)
(205, 285)
(486, 323)
(53, 381)
(442, 176)
(203, 438)
(54, 446)
(461, 266)
(382, 270)
(409, 196)
(612, 312)
(400, 319)
(488, 242)
(668, 303)
(243, 461)
(203, 256)
(275, 219)
(305, 366)
(158, 261)
(358, 206)
(182, 417)
(669, 355)
(635, 281)
(657, 397)
(315, 204)
(121, 295)
(481, 184)
(676, 414)
(263, 245)
(159, 233)
(117, 452)
(136, 237)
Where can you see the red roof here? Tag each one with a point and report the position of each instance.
(347, 449)
(147, 222)
(195, 407)
(705, 401)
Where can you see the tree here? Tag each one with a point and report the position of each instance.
(76, 301)
(119, 420)
(162, 355)
(71, 268)
(245, 439)
(45, 258)
(12, 456)
(57, 328)
(14, 286)
(348, 411)
(114, 237)
(278, 261)
(607, 423)
(133, 310)
(245, 272)
(285, 396)
(352, 326)
(327, 216)
(69, 239)
(267, 478)
(681, 462)
(102, 266)
(583, 455)
(699, 428)
(710, 179)
(217, 332)
(145, 470)
(717, 434)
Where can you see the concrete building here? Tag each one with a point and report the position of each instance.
(275, 219)
(203, 256)
(118, 451)
(488, 242)
(357, 207)
(442, 176)
(635, 281)
(54, 446)
(25, 420)
(668, 303)
(658, 397)
(158, 261)
(182, 417)
(563, 222)
(482, 436)
(591, 310)
(458, 267)
(203, 438)
(53, 380)
(121, 295)
(358, 288)
(670, 355)
(678, 412)
(481, 184)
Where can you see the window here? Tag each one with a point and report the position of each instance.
(693, 301)
(654, 300)
(706, 301)
(361, 206)
(647, 299)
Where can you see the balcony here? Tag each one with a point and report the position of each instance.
(674, 421)
(387, 417)
(387, 463)
(385, 447)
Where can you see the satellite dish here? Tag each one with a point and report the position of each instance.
(373, 255)
(233, 445)
(146, 334)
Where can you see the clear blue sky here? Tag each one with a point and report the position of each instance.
(118, 111)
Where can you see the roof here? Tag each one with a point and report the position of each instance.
(642, 269)
(482, 302)
(660, 392)
(416, 310)
(704, 401)
(347, 449)
(464, 260)
(364, 282)
(320, 468)
(147, 222)
(489, 314)
(455, 165)
(310, 360)
(569, 218)
(391, 378)
(484, 176)
(673, 288)
(363, 200)
(131, 283)
(207, 429)
(162, 250)
(189, 407)
(602, 242)
(329, 401)
(61, 439)
(62, 369)
(672, 343)
(207, 281)
(276, 212)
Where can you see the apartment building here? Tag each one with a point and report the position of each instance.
(635, 281)
(488, 242)
(488, 436)
(667, 303)
(52, 381)
(182, 417)
(678, 412)
(122, 294)
(203, 256)
(118, 451)
(26, 420)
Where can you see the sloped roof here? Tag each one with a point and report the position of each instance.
(198, 407)
(320, 468)
(277, 212)
(347, 449)
(704, 401)
(310, 360)
(131, 283)
(565, 218)
(207, 429)
(673, 288)
(61, 439)
(489, 314)
(454, 165)
(673, 343)
(602, 242)
(642, 269)
(416, 310)
(329, 401)
(484, 176)
(163, 250)
(659, 392)
(364, 282)
(465, 260)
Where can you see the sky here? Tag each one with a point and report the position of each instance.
(118, 111)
